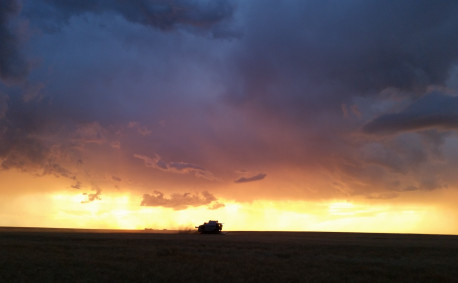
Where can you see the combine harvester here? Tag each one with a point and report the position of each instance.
(210, 227)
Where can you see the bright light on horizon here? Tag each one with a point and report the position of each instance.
(122, 211)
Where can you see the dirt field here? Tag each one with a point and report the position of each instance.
(51, 255)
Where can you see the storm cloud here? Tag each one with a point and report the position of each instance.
(433, 111)
(331, 98)
(340, 51)
(162, 14)
(13, 66)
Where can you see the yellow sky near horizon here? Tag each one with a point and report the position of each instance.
(122, 210)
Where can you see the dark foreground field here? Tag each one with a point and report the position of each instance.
(45, 255)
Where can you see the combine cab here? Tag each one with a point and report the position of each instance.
(210, 227)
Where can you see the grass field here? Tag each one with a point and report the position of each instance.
(56, 255)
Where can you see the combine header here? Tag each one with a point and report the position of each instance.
(210, 227)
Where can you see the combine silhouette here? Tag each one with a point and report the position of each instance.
(210, 227)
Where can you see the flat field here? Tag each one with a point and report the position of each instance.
(60, 255)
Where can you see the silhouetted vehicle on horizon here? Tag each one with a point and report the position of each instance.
(210, 227)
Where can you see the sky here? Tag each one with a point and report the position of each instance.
(266, 115)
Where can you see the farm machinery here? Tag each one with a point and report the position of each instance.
(210, 227)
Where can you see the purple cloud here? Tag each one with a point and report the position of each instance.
(257, 177)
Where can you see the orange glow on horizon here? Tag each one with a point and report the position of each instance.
(122, 211)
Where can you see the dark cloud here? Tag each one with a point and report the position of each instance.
(3, 105)
(23, 151)
(77, 185)
(19, 150)
(61, 115)
(90, 197)
(258, 177)
(179, 201)
(118, 81)
(176, 167)
(12, 64)
(162, 14)
(408, 161)
(398, 155)
(433, 111)
(28, 143)
(317, 55)
(323, 69)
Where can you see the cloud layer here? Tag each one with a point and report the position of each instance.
(162, 14)
(329, 99)
(433, 111)
(12, 65)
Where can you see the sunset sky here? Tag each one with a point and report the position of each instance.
(264, 114)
